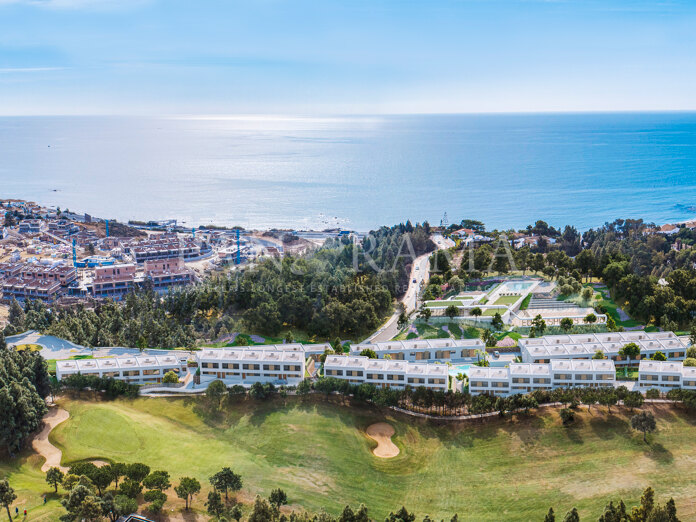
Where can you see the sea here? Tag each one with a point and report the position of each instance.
(357, 172)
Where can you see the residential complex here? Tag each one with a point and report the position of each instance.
(164, 246)
(133, 369)
(425, 350)
(249, 365)
(584, 346)
(528, 377)
(36, 281)
(666, 375)
(385, 373)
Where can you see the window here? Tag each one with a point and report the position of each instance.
(561, 376)
(436, 381)
(334, 372)
(416, 380)
(250, 366)
(542, 381)
(648, 377)
(292, 368)
(520, 380)
(392, 377)
(670, 378)
(375, 376)
(274, 367)
(583, 377)
(479, 384)
(354, 373)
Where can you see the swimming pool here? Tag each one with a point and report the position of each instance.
(516, 286)
(455, 370)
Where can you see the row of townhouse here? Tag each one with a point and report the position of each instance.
(425, 350)
(249, 365)
(386, 373)
(141, 369)
(277, 364)
(117, 280)
(528, 377)
(36, 281)
(584, 346)
(665, 375)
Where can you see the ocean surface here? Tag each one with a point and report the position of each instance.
(358, 172)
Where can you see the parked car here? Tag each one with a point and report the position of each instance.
(496, 353)
(415, 281)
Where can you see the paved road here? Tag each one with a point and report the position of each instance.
(419, 274)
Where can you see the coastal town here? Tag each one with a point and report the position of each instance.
(484, 324)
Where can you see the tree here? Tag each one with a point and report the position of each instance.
(567, 324)
(215, 392)
(226, 480)
(590, 318)
(236, 512)
(452, 311)
(214, 504)
(572, 516)
(262, 511)
(550, 516)
(645, 422)
(633, 400)
(402, 321)
(690, 361)
(539, 324)
(130, 488)
(608, 398)
(476, 312)
(7, 496)
(497, 321)
(102, 477)
(369, 353)
(658, 356)
(137, 471)
(54, 477)
(630, 350)
(118, 470)
(424, 313)
(598, 355)
(118, 506)
(157, 480)
(587, 294)
(401, 516)
(170, 378)
(278, 498)
(16, 316)
(187, 488)
(156, 498)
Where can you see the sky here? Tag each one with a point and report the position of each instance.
(345, 56)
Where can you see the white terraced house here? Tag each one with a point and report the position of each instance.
(139, 369)
(584, 346)
(528, 377)
(665, 375)
(246, 366)
(425, 350)
(385, 373)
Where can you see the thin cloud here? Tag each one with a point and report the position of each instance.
(20, 70)
(77, 4)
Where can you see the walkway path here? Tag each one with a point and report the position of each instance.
(42, 445)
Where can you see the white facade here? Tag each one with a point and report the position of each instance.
(139, 369)
(246, 366)
(528, 377)
(665, 375)
(425, 350)
(584, 346)
(385, 373)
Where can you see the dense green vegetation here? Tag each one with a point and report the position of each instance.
(24, 384)
(341, 288)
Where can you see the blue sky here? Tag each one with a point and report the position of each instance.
(348, 56)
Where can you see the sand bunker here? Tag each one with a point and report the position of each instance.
(382, 433)
(41, 444)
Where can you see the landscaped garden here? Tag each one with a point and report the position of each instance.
(318, 452)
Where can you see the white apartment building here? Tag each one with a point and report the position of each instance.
(665, 375)
(584, 346)
(425, 350)
(246, 366)
(140, 369)
(386, 373)
(528, 377)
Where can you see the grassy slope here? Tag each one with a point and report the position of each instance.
(511, 470)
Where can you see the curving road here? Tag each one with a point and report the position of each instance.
(419, 274)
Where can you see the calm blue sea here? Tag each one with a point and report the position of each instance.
(358, 172)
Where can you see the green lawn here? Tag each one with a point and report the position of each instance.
(317, 452)
(507, 300)
(611, 307)
(443, 302)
